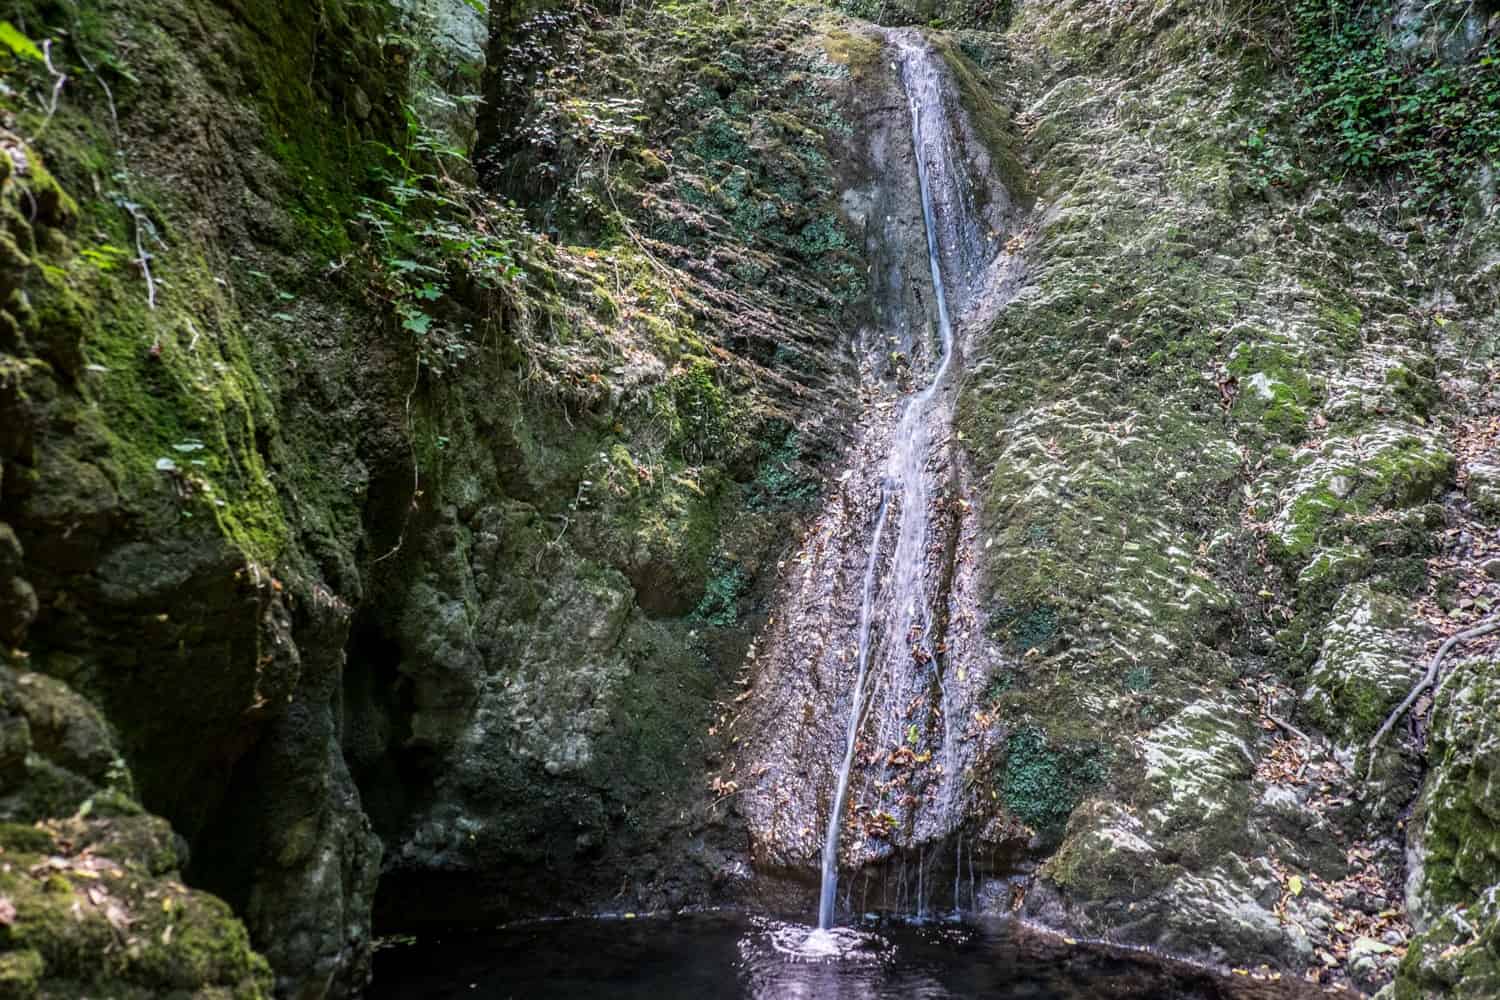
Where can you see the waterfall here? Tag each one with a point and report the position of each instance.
(904, 599)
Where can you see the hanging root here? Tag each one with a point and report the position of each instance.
(1483, 628)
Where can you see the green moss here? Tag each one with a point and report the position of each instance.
(993, 122)
(20, 972)
(208, 945)
(1276, 389)
(703, 419)
(859, 52)
(26, 839)
(1329, 572)
(1457, 957)
(1399, 472)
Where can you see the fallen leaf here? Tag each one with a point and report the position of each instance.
(117, 917)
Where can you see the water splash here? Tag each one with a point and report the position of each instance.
(800, 943)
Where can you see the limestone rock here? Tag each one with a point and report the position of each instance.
(1484, 487)
(1367, 664)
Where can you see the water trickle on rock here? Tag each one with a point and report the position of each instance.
(906, 601)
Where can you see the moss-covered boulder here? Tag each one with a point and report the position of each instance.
(1365, 667)
(1456, 840)
(91, 896)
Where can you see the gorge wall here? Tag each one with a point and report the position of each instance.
(413, 417)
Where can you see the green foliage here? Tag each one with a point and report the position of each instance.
(778, 483)
(1041, 785)
(985, 14)
(19, 45)
(727, 583)
(1379, 109)
(422, 238)
(1002, 682)
(1027, 628)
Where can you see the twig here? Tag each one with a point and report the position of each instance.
(1291, 729)
(138, 219)
(416, 471)
(58, 79)
(1484, 628)
(142, 256)
(661, 268)
(549, 546)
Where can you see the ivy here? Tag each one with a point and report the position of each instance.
(1042, 784)
(1382, 110)
(726, 585)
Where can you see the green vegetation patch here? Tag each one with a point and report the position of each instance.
(1041, 783)
(1382, 101)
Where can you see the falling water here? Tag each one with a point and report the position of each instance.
(904, 599)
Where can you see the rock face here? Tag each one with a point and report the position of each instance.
(91, 895)
(1455, 845)
(400, 493)
(398, 542)
(907, 606)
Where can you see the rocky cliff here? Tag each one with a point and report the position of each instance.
(410, 414)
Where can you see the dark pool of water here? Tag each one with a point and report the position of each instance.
(737, 955)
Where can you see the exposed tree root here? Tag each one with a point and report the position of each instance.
(1484, 628)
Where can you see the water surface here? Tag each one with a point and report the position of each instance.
(733, 955)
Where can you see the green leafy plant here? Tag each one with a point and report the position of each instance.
(1041, 784)
(719, 605)
(422, 237)
(19, 45)
(1379, 108)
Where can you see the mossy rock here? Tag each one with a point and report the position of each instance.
(1367, 663)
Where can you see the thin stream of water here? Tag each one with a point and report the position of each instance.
(905, 600)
